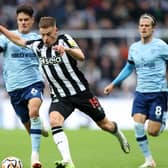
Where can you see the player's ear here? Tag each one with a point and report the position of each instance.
(33, 20)
(56, 29)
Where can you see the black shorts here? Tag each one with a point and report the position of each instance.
(85, 102)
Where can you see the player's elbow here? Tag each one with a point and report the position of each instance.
(82, 57)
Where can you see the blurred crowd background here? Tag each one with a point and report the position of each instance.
(110, 26)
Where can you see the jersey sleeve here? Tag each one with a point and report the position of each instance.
(164, 51)
(125, 72)
(3, 42)
(130, 53)
(33, 45)
(68, 41)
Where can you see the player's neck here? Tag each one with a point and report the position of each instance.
(146, 40)
(23, 32)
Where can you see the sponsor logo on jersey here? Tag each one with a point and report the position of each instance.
(50, 61)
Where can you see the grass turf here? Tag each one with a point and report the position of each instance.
(90, 149)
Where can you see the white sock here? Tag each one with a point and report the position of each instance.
(149, 158)
(61, 140)
(34, 157)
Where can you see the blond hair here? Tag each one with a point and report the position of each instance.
(150, 17)
(46, 22)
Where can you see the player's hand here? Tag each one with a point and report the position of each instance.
(108, 89)
(59, 48)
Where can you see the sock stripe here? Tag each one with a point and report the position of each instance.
(53, 128)
(35, 131)
(141, 138)
(56, 130)
(116, 127)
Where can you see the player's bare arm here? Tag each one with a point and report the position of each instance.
(12, 36)
(76, 53)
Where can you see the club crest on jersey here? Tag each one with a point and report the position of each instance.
(51, 60)
(72, 43)
(34, 91)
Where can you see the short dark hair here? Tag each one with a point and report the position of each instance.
(25, 8)
(46, 22)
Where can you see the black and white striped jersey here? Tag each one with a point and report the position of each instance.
(62, 73)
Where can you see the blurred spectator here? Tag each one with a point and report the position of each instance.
(41, 9)
(105, 56)
(92, 73)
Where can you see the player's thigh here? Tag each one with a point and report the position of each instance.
(90, 105)
(158, 106)
(19, 105)
(139, 108)
(22, 112)
(59, 111)
(33, 94)
(34, 106)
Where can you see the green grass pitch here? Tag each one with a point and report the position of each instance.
(89, 149)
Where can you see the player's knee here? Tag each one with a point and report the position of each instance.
(153, 128)
(56, 119)
(34, 112)
(153, 132)
(53, 123)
